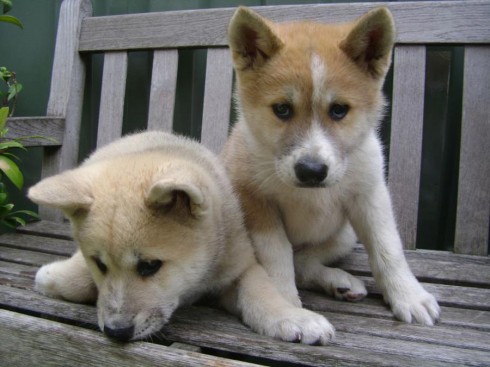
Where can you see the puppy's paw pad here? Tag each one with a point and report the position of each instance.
(348, 295)
(421, 308)
(305, 327)
(344, 286)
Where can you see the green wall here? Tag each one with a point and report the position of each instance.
(29, 52)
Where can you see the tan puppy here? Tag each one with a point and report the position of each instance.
(158, 226)
(306, 160)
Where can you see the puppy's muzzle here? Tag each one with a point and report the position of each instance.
(122, 334)
(310, 172)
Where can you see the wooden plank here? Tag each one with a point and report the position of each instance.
(376, 308)
(52, 246)
(474, 167)
(49, 127)
(447, 295)
(199, 320)
(217, 99)
(431, 266)
(112, 97)
(27, 257)
(406, 138)
(417, 22)
(27, 340)
(47, 228)
(162, 90)
(216, 329)
(66, 93)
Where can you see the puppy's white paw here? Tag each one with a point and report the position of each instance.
(343, 285)
(301, 326)
(46, 281)
(416, 305)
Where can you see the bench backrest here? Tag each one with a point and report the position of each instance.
(419, 24)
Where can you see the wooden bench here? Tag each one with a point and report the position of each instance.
(35, 330)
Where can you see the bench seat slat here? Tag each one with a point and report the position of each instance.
(26, 340)
(406, 138)
(162, 90)
(417, 22)
(217, 99)
(473, 211)
(112, 97)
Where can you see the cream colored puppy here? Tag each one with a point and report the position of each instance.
(306, 160)
(158, 226)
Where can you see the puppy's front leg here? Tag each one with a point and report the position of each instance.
(272, 247)
(372, 217)
(68, 279)
(255, 298)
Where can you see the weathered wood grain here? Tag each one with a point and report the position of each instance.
(112, 97)
(66, 93)
(406, 138)
(47, 245)
(217, 99)
(27, 257)
(47, 229)
(26, 340)
(473, 211)
(162, 90)
(417, 22)
(431, 266)
(50, 127)
(219, 330)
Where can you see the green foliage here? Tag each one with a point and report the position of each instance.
(10, 169)
(9, 90)
(6, 7)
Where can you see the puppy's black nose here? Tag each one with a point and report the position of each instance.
(310, 172)
(121, 334)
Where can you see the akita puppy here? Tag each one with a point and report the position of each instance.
(306, 160)
(158, 226)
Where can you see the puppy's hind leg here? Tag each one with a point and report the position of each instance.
(311, 272)
(68, 279)
(262, 307)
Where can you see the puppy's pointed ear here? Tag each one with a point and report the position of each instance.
(69, 191)
(252, 40)
(169, 194)
(370, 42)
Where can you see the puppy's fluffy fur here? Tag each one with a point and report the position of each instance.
(306, 160)
(158, 226)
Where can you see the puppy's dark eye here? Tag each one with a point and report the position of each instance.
(102, 267)
(148, 268)
(283, 111)
(338, 111)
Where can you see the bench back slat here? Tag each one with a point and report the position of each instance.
(162, 90)
(66, 93)
(417, 22)
(112, 97)
(217, 99)
(406, 137)
(474, 172)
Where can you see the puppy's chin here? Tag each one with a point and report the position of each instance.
(311, 185)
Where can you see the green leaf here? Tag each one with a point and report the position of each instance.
(37, 137)
(4, 114)
(6, 209)
(11, 144)
(30, 213)
(12, 171)
(11, 19)
(14, 89)
(7, 5)
(3, 197)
